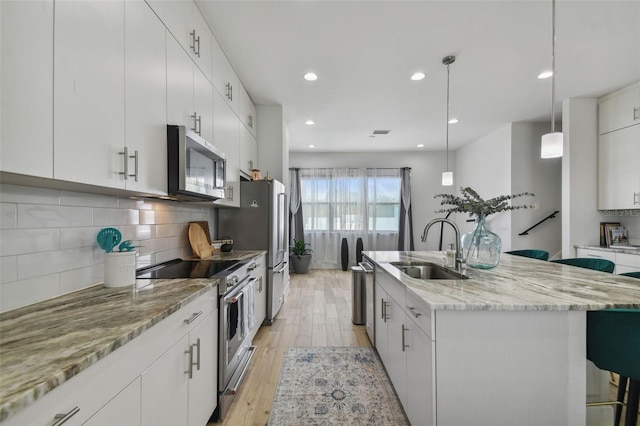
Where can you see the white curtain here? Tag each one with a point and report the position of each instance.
(336, 205)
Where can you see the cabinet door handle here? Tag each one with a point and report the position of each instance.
(250, 120)
(192, 45)
(413, 311)
(190, 370)
(404, 345)
(135, 165)
(635, 114)
(195, 126)
(193, 317)
(197, 345)
(199, 125)
(228, 91)
(229, 193)
(197, 43)
(125, 154)
(636, 198)
(62, 418)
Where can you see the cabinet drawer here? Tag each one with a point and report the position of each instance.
(600, 254)
(159, 338)
(395, 289)
(420, 313)
(631, 260)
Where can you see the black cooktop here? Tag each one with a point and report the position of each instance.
(178, 268)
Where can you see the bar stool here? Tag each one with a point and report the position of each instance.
(613, 344)
(533, 254)
(603, 265)
(632, 274)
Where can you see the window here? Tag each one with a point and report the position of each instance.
(350, 199)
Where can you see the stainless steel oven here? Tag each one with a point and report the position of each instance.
(235, 349)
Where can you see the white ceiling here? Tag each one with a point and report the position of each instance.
(365, 51)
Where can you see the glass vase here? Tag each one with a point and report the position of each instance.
(481, 247)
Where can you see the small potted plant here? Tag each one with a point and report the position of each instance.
(300, 256)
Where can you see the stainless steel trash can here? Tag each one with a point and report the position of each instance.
(358, 295)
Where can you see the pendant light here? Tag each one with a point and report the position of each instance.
(552, 143)
(447, 176)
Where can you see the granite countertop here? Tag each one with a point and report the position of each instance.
(45, 344)
(628, 250)
(516, 284)
(231, 255)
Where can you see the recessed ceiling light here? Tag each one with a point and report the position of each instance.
(545, 74)
(309, 122)
(418, 76)
(310, 76)
(453, 121)
(420, 145)
(312, 146)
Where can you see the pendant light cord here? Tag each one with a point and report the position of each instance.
(553, 65)
(448, 65)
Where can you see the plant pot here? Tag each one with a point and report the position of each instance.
(301, 263)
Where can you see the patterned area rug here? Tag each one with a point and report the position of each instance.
(335, 386)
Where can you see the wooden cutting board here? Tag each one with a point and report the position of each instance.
(198, 240)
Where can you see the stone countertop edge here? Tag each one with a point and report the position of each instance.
(32, 362)
(231, 255)
(516, 284)
(619, 249)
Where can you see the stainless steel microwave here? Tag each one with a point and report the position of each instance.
(196, 169)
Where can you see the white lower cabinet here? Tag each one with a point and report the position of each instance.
(145, 382)
(407, 354)
(259, 275)
(419, 404)
(625, 262)
(123, 409)
(165, 388)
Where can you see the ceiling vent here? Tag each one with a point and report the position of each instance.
(381, 132)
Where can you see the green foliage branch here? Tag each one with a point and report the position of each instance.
(471, 202)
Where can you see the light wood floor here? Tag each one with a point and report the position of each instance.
(317, 312)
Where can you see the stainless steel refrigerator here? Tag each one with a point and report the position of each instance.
(261, 223)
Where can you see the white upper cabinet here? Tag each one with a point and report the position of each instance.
(26, 87)
(89, 86)
(184, 21)
(189, 94)
(248, 112)
(145, 99)
(248, 151)
(226, 128)
(225, 80)
(619, 110)
(619, 149)
(619, 169)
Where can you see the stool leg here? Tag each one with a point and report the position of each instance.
(622, 389)
(631, 414)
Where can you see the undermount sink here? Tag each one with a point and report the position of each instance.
(428, 271)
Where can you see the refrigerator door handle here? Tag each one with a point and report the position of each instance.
(279, 271)
(280, 219)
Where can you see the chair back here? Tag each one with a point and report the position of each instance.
(533, 254)
(613, 341)
(603, 265)
(632, 274)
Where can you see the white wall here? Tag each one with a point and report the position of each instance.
(580, 216)
(48, 238)
(426, 170)
(485, 166)
(543, 177)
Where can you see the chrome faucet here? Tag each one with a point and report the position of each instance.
(459, 258)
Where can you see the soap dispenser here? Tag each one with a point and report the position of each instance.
(451, 256)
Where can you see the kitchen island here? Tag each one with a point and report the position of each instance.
(504, 347)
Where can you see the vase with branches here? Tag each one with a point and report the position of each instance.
(481, 247)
